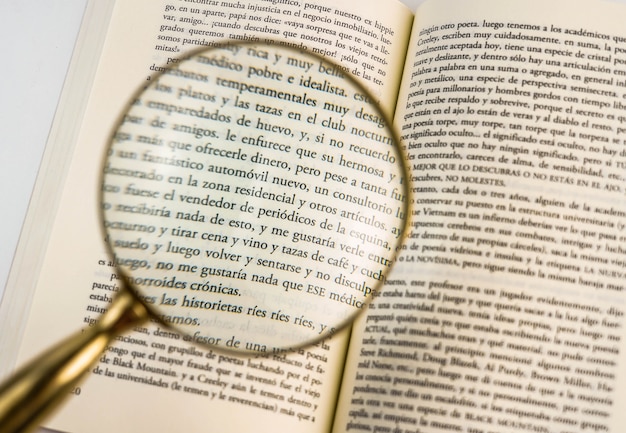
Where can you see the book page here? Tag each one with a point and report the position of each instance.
(152, 379)
(506, 310)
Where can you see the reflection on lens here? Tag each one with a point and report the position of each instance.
(254, 197)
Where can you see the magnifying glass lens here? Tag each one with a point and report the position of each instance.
(254, 197)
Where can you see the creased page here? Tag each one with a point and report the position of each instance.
(154, 380)
(506, 309)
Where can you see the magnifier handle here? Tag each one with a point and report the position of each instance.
(37, 388)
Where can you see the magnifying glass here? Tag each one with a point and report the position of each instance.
(254, 198)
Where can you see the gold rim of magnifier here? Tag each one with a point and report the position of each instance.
(397, 148)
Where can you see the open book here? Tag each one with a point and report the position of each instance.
(505, 311)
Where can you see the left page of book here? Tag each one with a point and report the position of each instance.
(154, 380)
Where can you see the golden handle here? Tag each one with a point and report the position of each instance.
(38, 387)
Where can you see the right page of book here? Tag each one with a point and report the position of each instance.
(505, 311)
